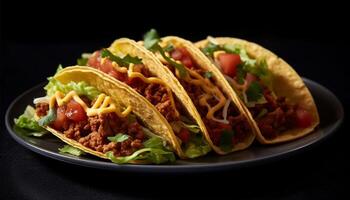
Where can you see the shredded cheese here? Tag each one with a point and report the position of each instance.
(134, 74)
(102, 105)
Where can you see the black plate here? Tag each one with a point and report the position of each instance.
(330, 110)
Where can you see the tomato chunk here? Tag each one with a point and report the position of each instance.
(75, 112)
(228, 63)
(60, 118)
(182, 55)
(303, 118)
(184, 135)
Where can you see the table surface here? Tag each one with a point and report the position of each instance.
(316, 173)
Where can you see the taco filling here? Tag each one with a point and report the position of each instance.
(134, 73)
(225, 124)
(82, 113)
(252, 80)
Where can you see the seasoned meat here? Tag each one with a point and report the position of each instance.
(41, 109)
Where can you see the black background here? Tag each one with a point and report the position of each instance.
(36, 37)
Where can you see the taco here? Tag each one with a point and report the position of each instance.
(98, 115)
(132, 65)
(223, 119)
(278, 101)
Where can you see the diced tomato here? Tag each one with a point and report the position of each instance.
(229, 62)
(184, 135)
(303, 118)
(182, 55)
(187, 61)
(118, 75)
(60, 118)
(94, 60)
(107, 67)
(176, 54)
(75, 112)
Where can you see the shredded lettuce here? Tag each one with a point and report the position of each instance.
(154, 152)
(196, 147)
(26, 121)
(120, 137)
(194, 128)
(71, 150)
(82, 88)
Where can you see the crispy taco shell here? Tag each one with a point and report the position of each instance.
(201, 60)
(286, 83)
(122, 96)
(126, 46)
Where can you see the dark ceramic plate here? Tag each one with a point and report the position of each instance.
(330, 110)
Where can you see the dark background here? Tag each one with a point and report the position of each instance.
(36, 37)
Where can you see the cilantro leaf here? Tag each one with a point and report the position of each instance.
(226, 140)
(254, 91)
(120, 137)
(211, 48)
(151, 40)
(241, 73)
(105, 53)
(129, 59)
(169, 48)
(208, 74)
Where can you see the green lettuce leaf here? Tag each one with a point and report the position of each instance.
(154, 142)
(154, 152)
(26, 121)
(82, 88)
(71, 150)
(196, 147)
(120, 137)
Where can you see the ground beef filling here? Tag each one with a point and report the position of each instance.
(280, 116)
(93, 132)
(155, 93)
(237, 122)
(41, 109)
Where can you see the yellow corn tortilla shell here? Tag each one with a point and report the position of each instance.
(123, 96)
(124, 46)
(201, 59)
(286, 83)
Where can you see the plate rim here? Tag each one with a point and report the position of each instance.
(200, 167)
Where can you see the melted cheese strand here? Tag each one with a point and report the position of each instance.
(133, 74)
(211, 91)
(102, 105)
